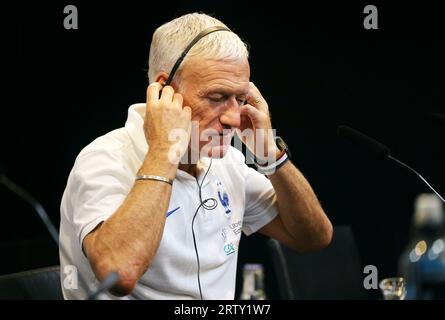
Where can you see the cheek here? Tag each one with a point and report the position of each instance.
(198, 111)
(206, 116)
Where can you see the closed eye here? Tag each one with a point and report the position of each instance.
(217, 99)
(241, 101)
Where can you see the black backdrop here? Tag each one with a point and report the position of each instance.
(314, 62)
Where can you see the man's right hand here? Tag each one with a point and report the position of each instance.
(166, 120)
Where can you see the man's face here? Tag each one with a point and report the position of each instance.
(215, 90)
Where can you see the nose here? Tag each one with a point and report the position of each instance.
(231, 117)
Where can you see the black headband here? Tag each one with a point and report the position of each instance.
(187, 49)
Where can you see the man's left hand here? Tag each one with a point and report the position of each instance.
(255, 117)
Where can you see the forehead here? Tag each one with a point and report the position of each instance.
(217, 75)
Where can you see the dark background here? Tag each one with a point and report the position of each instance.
(314, 62)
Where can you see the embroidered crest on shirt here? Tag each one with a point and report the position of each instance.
(224, 199)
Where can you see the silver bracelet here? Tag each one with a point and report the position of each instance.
(156, 178)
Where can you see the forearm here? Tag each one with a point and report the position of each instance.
(300, 210)
(128, 240)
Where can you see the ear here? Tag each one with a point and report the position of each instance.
(161, 77)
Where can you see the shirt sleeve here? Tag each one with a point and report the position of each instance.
(261, 202)
(98, 187)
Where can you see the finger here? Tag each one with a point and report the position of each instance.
(167, 94)
(153, 91)
(258, 102)
(256, 99)
(178, 99)
(188, 111)
(253, 98)
(253, 113)
(253, 86)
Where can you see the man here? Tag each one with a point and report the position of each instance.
(136, 203)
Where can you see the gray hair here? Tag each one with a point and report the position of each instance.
(170, 40)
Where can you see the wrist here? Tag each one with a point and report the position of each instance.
(275, 151)
(280, 155)
(157, 163)
(270, 156)
(271, 168)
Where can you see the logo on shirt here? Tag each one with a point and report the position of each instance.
(223, 198)
(171, 211)
(230, 247)
(236, 227)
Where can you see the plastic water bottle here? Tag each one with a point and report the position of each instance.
(253, 282)
(422, 263)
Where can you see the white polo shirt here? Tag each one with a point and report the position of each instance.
(99, 182)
